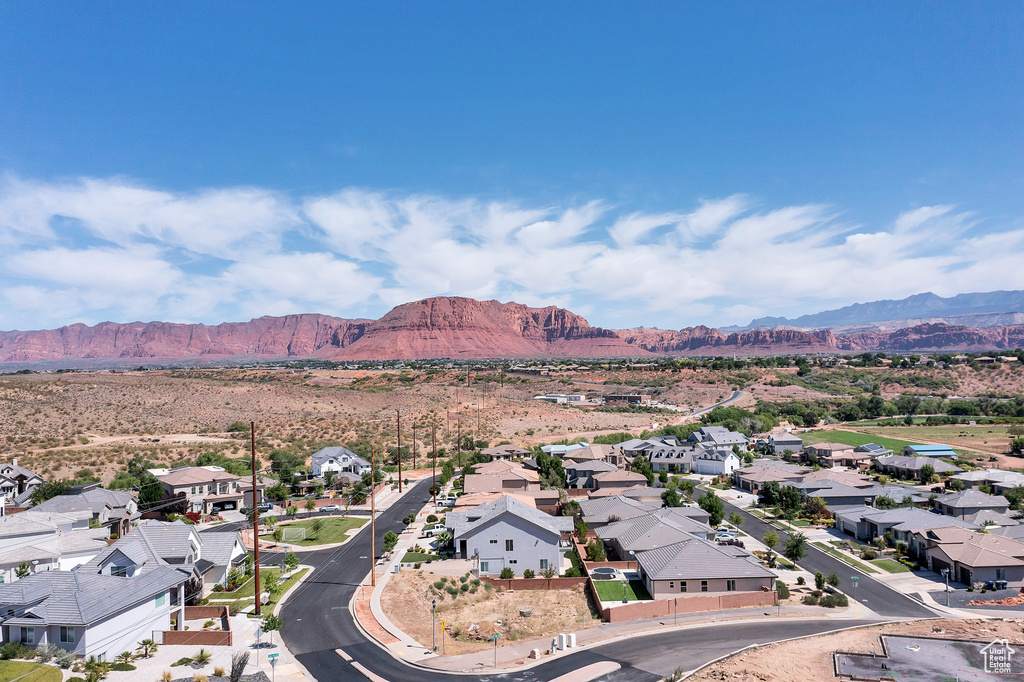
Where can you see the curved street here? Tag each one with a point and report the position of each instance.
(318, 622)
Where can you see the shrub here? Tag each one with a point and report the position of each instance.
(417, 564)
(218, 671)
(830, 601)
(200, 678)
(488, 587)
(463, 578)
(185, 660)
(202, 657)
(46, 652)
(476, 582)
(15, 650)
(819, 581)
(122, 667)
(464, 588)
(869, 554)
(528, 573)
(218, 588)
(432, 518)
(439, 584)
(573, 573)
(507, 573)
(810, 600)
(65, 659)
(783, 589)
(451, 589)
(800, 580)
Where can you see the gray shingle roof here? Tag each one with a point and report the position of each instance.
(465, 522)
(661, 527)
(916, 463)
(82, 598)
(324, 454)
(972, 498)
(600, 509)
(697, 559)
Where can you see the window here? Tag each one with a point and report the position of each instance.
(703, 585)
(484, 567)
(671, 585)
(730, 585)
(67, 635)
(543, 564)
(513, 561)
(193, 490)
(28, 635)
(494, 542)
(119, 571)
(508, 546)
(682, 586)
(160, 599)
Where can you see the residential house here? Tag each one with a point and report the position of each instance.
(850, 459)
(781, 443)
(657, 529)
(972, 557)
(835, 493)
(718, 437)
(697, 566)
(910, 467)
(510, 533)
(600, 511)
(716, 463)
(115, 510)
(673, 459)
(617, 480)
(159, 543)
(339, 460)
(967, 503)
(211, 489)
(753, 477)
(47, 541)
(821, 451)
(501, 476)
(865, 523)
(581, 474)
(999, 480)
(17, 482)
(93, 613)
(873, 449)
(506, 452)
(563, 451)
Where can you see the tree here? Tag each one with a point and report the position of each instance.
(832, 579)
(291, 511)
(955, 484)
(796, 547)
(277, 492)
(49, 489)
(443, 539)
(147, 648)
(768, 495)
(125, 657)
(329, 477)
(390, 540)
(582, 528)
(318, 525)
(713, 505)
(815, 508)
(595, 551)
(22, 570)
(270, 623)
(748, 458)
(1015, 496)
(671, 498)
(819, 581)
(885, 502)
(663, 476)
(270, 583)
(277, 534)
(688, 486)
(291, 561)
(908, 404)
(790, 499)
(736, 519)
(310, 506)
(770, 540)
(927, 471)
(1017, 445)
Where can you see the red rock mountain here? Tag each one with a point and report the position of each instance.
(450, 327)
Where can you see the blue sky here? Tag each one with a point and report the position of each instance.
(661, 164)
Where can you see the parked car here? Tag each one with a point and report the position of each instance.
(330, 508)
(431, 532)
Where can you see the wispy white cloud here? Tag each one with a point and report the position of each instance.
(95, 249)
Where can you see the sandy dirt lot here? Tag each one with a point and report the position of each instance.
(811, 658)
(473, 617)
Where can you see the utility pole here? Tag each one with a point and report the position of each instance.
(414, 445)
(399, 451)
(433, 466)
(458, 422)
(373, 518)
(255, 517)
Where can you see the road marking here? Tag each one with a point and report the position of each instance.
(343, 654)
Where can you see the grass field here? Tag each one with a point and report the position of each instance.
(27, 671)
(851, 438)
(611, 590)
(890, 565)
(244, 594)
(413, 557)
(334, 530)
(843, 556)
(946, 433)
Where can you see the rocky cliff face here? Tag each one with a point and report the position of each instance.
(462, 328)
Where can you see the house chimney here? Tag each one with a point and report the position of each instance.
(15, 461)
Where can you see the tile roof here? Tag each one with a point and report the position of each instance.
(661, 527)
(195, 475)
(465, 522)
(971, 498)
(601, 509)
(697, 559)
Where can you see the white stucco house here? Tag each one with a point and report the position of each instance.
(509, 533)
(47, 541)
(340, 460)
(716, 463)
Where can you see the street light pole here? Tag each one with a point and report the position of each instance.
(373, 518)
(433, 629)
(399, 416)
(945, 574)
(255, 520)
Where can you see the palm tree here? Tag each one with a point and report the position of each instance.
(147, 648)
(125, 657)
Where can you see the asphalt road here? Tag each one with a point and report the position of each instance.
(317, 622)
(876, 595)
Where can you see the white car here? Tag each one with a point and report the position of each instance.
(330, 508)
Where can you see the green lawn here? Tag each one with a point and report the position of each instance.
(413, 557)
(574, 559)
(611, 590)
(334, 530)
(843, 556)
(799, 523)
(243, 596)
(851, 438)
(27, 671)
(890, 565)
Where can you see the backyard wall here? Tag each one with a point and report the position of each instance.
(220, 637)
(664, 607)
